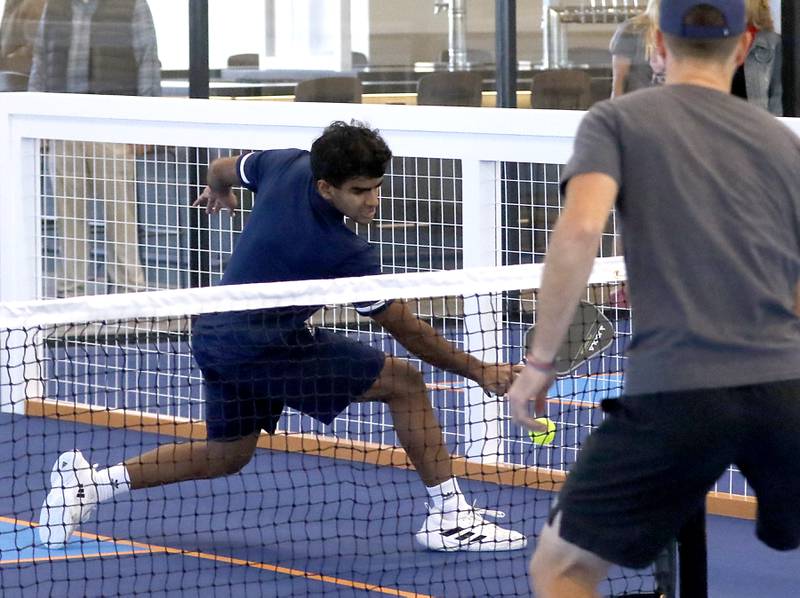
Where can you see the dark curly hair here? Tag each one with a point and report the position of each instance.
(345, 151)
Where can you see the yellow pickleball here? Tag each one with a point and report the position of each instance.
(547, 436)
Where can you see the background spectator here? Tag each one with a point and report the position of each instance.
(17, 33)
(104, 47)
(758, 80)
(630, 64)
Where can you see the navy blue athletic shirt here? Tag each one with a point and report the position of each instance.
(293, 233)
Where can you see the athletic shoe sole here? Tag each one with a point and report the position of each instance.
(466, 540)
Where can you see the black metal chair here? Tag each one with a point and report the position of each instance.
(345, 90)
(562, 89)
(601, 88)
(358, 59)
(11, 81)
(243, 60)
(450, 88)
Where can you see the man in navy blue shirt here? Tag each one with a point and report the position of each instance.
(256, 362)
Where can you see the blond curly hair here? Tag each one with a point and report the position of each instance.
(759, 15)
(647, 23)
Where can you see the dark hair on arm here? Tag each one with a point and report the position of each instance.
(709, 49)
(345, 151)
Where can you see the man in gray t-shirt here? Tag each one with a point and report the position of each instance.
(706, 186)
(709, 207)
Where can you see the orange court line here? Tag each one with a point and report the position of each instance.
(156, 549)
(68, 557)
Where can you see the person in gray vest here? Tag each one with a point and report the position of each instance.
(706, 187)
(98, 47)
(759, 79)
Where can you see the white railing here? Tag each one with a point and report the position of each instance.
(479, 138)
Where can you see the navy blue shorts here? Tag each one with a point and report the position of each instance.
(314, 371)
(649, 465)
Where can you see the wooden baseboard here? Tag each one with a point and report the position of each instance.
(731, 505)
(743, 507)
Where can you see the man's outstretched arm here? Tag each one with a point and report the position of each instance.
(422, 340)
(218, 194)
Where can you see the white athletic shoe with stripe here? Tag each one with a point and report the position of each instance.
(465, 529)
(71, 501)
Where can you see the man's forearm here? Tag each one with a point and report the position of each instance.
(222, 175)
(431, 347)
(423, 341)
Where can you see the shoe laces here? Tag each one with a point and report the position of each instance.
(488, 512)
(477, 512)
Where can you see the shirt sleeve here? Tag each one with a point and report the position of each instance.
(365, 263)
(597, 146)
(145, 47)
(254, 167)
(372, 308)
(247, 170)
(624, 42)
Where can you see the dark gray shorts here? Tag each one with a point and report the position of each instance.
(649, 465)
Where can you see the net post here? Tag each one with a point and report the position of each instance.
(693, 557)
(481, 243)
(19, 257)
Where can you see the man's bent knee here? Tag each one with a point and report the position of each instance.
(229, 457)
(398, 380)
(558, 564)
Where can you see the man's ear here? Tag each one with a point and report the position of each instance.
(743, 47)
(661, 47)
(324, 189)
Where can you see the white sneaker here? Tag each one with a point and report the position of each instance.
(466, 529)
(71, 501)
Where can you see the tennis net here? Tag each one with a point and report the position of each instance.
(319, 509)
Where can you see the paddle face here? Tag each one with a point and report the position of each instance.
(590, 333)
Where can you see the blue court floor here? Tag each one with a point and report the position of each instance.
(289, 525)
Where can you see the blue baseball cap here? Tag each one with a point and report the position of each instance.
(672, 13)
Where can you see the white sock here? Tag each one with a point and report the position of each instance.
(446, 496)
(112, 482)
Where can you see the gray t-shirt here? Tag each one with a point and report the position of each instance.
(710, 207)
(629, 41)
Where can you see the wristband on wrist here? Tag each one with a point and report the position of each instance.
(542, 366)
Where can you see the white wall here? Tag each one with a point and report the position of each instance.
(235, 27)
(416, 16)
(239, 27)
